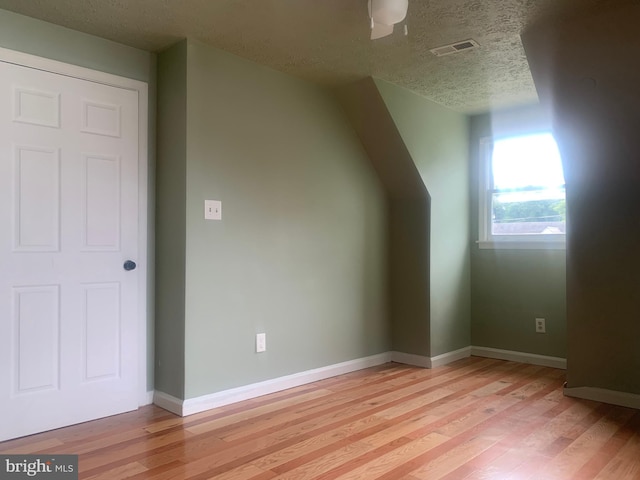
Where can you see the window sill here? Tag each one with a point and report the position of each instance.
(521, 244)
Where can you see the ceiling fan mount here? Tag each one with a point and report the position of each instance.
(384, 14)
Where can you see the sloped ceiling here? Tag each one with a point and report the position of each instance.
(327, 41)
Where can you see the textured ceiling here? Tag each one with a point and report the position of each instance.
(327, 41)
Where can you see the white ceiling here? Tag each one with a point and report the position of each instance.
(327, 41)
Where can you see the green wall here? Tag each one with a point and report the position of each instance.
(171, 194)
(437, 139)
(409, 274)
(510, 288)
(301, 250)
(26, 34)
(591, 86)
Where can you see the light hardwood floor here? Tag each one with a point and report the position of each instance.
(473, 419)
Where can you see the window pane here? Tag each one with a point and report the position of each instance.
(528, 196)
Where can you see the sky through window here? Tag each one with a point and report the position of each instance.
(538, 163)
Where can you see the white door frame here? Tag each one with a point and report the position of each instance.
(53, 66)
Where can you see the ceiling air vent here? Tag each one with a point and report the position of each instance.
(454, 48)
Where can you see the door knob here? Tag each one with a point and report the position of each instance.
(129, 265)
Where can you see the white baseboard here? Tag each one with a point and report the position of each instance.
(624, 399)
(411, 359)
(430, 362)
(233, 395)
(168, 402)
(522, 357)
(443, 359)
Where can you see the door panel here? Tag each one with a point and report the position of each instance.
(101, 330)
(69, 221)
(101, 203)
(37, 325)
(36, 184)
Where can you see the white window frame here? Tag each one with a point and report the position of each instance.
(486, 240)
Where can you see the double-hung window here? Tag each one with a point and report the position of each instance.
(522, 193)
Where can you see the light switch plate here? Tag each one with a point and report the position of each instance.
(212, 210)
(261, 342)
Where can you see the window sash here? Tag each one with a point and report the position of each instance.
(487, 239)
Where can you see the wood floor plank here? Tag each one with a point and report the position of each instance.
(316, 446)
(506, 454)
(242, 472)
(45, 445)
(376, 436)
(560, 426)
(319, 465)
(453, 458)
(106, 456)
(369, 439)
(234, 419)
(474, 419)
(381, 464)
(119, 473)
(566, 464)
(409, 467)
(350, 392)
(625, 465)
(616, 443)
(497, 438)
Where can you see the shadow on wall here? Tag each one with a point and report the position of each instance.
(584, 73)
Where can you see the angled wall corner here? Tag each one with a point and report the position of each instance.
(408, 215)
(370, 117)
(171, 221)
(420, 152)
(437, 140)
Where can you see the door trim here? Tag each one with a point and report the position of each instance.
(142, 88)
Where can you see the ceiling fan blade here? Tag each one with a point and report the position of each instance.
(380, 30)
